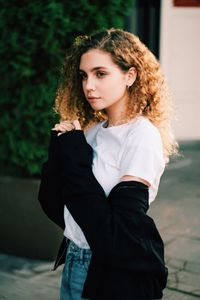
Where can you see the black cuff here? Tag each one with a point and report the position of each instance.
(74, 137)
(74, 147)
(122, 196)
(53, 146)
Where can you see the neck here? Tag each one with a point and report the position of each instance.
(117, 113)
(120, 121)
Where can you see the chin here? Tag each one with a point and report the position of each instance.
(97, 107)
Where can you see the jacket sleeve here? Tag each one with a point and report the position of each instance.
(117, 228)
(50, 189)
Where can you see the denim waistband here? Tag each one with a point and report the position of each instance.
(78, 252)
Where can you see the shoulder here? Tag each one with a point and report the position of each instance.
(91, 132)
(143, 132)
(142, 154)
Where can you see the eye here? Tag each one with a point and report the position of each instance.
(83, 75)
(100, 74)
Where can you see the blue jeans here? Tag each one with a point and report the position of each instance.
(74, 272)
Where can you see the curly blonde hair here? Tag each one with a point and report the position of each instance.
(148, 95)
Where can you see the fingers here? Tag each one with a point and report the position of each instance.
(65, 126)
(77, 124)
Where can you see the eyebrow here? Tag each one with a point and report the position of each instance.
(94, 69)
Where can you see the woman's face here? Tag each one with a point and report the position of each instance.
(104, 83)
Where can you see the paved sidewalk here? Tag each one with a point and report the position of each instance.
(177, 215)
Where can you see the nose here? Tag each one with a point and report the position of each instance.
(89, 84)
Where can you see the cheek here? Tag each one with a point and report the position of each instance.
(83, 88)
(118, 92)
(117, 87)
(115, 84)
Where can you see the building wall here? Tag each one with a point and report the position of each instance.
(180, 61)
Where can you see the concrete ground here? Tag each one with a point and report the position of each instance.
(176, 212)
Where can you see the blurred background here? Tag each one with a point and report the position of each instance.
(34, 38)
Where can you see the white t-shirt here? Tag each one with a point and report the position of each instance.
(134, 148)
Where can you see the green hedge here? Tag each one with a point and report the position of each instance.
(35, 35)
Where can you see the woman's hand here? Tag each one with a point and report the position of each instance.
(65, 126)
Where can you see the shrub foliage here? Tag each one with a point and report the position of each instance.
(34, 37)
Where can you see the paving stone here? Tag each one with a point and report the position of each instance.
(193, 267)
(176, 264)
(189, 282)
(29, 282)
(184, 248)
(176, 295)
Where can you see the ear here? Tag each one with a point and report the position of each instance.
(131, 76)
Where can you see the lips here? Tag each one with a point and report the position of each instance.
(92, 99)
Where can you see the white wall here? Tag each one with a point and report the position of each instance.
(180, 61)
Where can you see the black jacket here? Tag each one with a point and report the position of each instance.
(127, 251)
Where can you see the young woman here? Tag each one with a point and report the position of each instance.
(106, 157)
